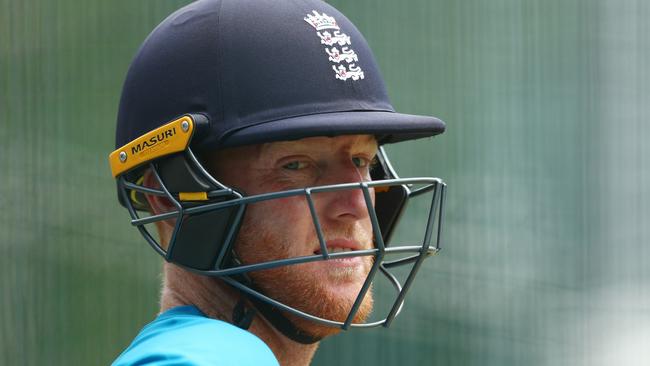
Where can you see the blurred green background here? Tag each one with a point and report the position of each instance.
(547, 239)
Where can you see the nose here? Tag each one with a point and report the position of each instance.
(347, 205)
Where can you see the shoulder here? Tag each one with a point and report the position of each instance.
(184, 336)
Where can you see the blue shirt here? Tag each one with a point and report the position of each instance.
(185, 336)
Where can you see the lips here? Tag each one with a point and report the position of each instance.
(339, 245)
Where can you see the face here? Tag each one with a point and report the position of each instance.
(283, 228)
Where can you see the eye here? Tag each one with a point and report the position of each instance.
(360, 162)
(295, 165)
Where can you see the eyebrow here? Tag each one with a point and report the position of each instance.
(299, 146)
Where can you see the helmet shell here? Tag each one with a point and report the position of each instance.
(261, 70)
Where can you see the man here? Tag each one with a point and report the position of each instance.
(250, 132)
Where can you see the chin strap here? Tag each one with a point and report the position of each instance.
(281, 323)
(243, 314)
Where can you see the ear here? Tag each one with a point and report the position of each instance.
(158, 205)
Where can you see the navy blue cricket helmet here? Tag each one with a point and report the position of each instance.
(226, 73)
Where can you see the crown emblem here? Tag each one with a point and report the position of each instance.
(321, 21)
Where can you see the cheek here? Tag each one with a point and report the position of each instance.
(275, 229)
(287, 213)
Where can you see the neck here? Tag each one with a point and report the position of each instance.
(287, 352)
(217, 300)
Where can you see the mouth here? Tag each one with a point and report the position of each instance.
(339, 246)
(345, 269)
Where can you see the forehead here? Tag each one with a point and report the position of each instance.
(310, 145)
(321, 145)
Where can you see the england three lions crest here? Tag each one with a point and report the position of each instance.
(343, 73)
(330, 34)
(329, 39)
(345, 54)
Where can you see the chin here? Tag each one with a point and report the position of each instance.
(332, 309)
(326, 293)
